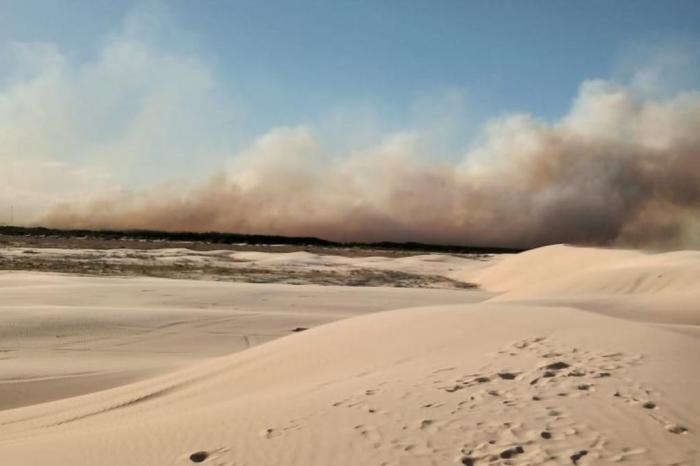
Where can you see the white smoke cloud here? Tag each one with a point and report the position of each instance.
(133, 112)
(618, 168)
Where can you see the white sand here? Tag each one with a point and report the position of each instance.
(440, 384)
(63, 336)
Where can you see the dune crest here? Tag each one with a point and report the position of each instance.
(655, 286)
(572, 269)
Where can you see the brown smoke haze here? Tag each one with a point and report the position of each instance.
(620, 169)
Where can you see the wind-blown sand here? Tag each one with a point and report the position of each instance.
(537, 368)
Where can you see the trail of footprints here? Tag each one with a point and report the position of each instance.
(573, 374)
(465, 425)
(540, 395)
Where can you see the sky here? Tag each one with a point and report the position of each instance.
(107, 96)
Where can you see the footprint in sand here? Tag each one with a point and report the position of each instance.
(370, 434)
(557, 366)
(676, 429)
(511, 452)
(578, 455)
(199, 456)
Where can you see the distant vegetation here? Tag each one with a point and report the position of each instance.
(235, 238)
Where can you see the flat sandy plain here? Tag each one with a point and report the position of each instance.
(559, 355)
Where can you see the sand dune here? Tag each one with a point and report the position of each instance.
(63, 335)
(566, 269)
(529, 376)
(657, 287)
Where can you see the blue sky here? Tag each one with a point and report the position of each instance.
(295, 60)
(136, 91)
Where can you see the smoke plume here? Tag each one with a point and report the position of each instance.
(620, 168)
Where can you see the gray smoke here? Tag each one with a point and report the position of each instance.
(620, 168)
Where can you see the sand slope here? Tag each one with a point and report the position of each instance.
(657, 287)
(572, 270)
(64, 335)
(518, 379)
